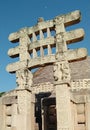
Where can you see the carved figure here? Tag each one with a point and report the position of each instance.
(57, 72)
(24, 78)
(65, 71)
(61, 71)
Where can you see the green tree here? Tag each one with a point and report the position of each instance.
(1, 94)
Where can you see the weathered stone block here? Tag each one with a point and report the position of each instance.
(8, 128)
(8, 121)
(81, 127)
(8, 110)
(81, 118)
(80, 108)
(9, 100)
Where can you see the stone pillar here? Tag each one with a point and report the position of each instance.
(87, 111)
(32, 113)
(63, 107)
(14, 117)
(25, 111)
(2, 117)
(75, 116)
(63, 104)
(43, 118)
(62, 78)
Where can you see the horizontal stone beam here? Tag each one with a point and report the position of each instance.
(18, 65)
(70, 55)
(77, 54)
(13, 52)
(43, 87)
(14, 37)
(74, 36)
(69, 37)
(68, 19)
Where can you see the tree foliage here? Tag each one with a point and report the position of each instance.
(1, 94)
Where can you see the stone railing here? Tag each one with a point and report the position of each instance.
(49, 87)
(43, 87)
(80, 84)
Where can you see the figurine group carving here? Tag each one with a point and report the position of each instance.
(24, 78)
(61, 71)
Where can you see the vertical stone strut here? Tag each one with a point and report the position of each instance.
(21, 112)
(23, 75)
(62, 80)
(88, 112)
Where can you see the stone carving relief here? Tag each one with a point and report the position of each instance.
(58, 20)
(61, 71)
(24, 78)
(61, 46)
(57, 72)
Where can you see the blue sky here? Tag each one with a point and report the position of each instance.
(16, 14)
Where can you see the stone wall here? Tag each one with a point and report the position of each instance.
(17, 110)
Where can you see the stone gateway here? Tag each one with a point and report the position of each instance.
(57, 95)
